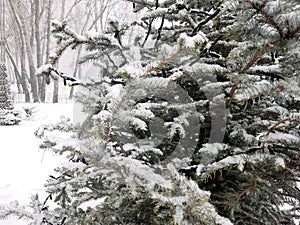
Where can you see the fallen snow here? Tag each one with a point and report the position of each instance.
(24, 168)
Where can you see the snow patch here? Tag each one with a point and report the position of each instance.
(191, 42)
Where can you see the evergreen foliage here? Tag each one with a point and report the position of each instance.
(7, 115)
(194, 120)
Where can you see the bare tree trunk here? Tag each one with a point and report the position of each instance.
(24, 35)
(33, 80)
(23, 73)
(63, 6)
(55, 92)
(16, 71)
(48, 32)
(2, 35)
(22, 55)
(32, 8)
(41, 80)
(96, 15)
(77, 70)
(37, 33)
(55, 83)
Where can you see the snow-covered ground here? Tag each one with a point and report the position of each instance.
(23, 167)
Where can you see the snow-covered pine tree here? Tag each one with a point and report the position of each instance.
(5, 98)
(203, 97)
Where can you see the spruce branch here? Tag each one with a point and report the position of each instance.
(239, 195)
(162, 63)
(231, 93)
(260, 7)
(61, 50)
(293, 33)
(280, 122)
(266, 89)
(256, 57)
(272, 128)
(129, 89)
(265, 14)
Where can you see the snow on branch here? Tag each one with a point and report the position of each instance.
(49, 71)
(136, 122)
(279, 137)
(143, 113)
(67, 37)
(15, 209)
(151, 83)
(62, 27)
(282, 138)
(236, 160)
(174, 128)
(140, 174)
(36, 215)
(264, 13)
(257, 89)
(190, 199)
(192, 41)
(295, 116)
(158, 13)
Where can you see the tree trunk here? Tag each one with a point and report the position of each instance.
(55, 87)
(41, 80)
(77, 71)
(33, 80)
(32, 22)
(96, 15)
(63, 6)
(23, 73)
(22, 55)
(26, 40)
(16, 71)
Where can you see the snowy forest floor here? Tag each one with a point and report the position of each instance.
(24, 168)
